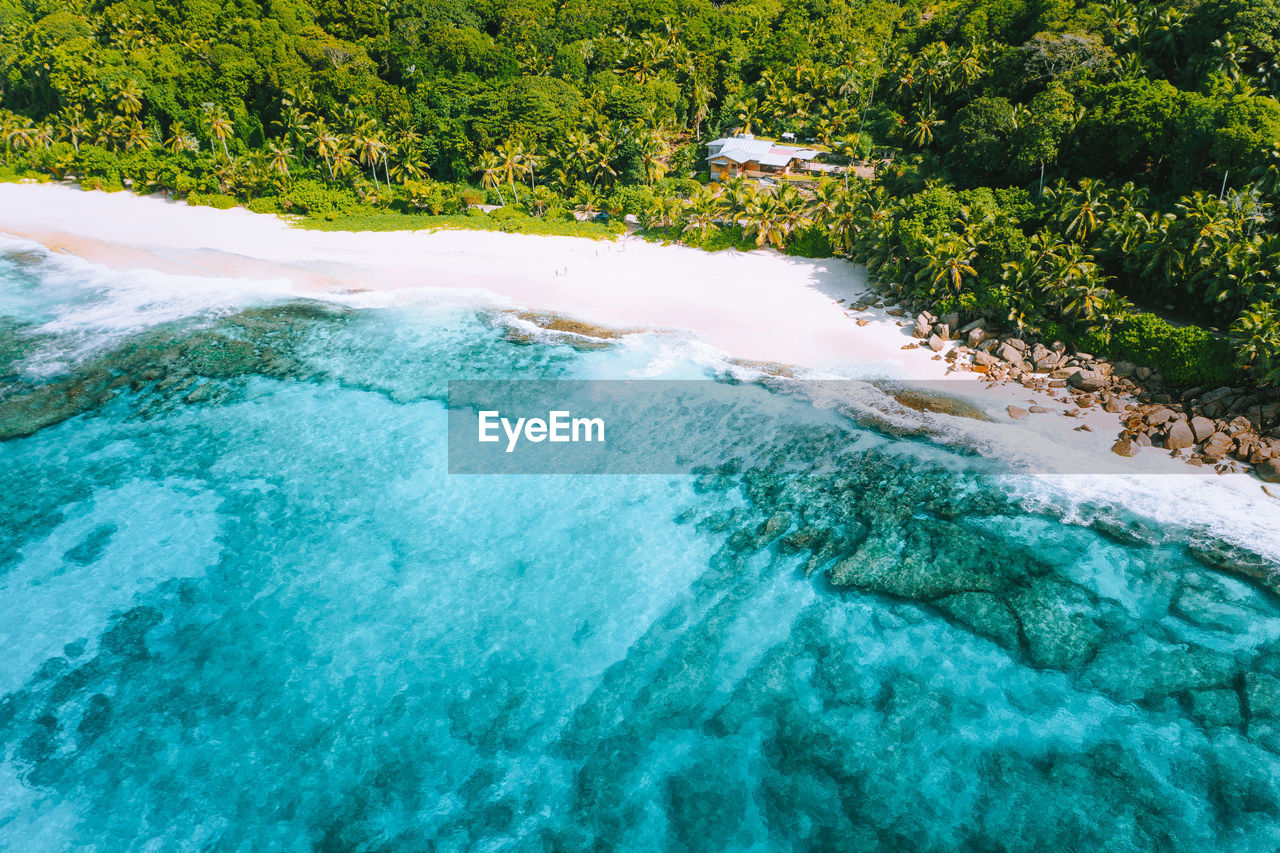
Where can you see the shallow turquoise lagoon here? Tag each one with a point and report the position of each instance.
(244, 607)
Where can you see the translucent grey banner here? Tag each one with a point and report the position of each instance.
(689, 427)
(617, 427)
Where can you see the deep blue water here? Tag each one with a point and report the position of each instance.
(244, 607)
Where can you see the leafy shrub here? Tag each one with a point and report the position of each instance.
(928, 215)
(215, 200)
(98, 162)
(810, 243)
(634, 200)
(184, 184)
(728, 237)
(1184, 354)
(315, 197)
(430, 197)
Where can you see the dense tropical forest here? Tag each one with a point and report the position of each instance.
(1060, 166)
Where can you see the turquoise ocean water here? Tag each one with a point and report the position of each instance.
(245, 608)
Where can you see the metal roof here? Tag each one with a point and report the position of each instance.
(740, 149)
(775, 158)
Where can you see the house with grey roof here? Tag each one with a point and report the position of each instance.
(756, 158)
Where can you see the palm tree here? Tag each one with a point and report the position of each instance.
(842, 222)
(42, 136)
(1120, 17)
(228, 173)
(491, 173)
(532, 161)
(19, 134)
(179, 140)
(108, 132)
(1084, 301)
(1257, 337)
(326, 144)
(905, 71)
(766, 221)
(735, 195)
(254, 171)
(700, 95)
(126, 95)
(826, 197)
(969, 68)
(601, 165)
(576, 154)
(1207, 220)
(922, 127)
(349, 120)
(369, 147)
(934, 64)
(948, 262)
(8, 121)
(1065, 273)
(1266, 175)
(793, 210)
(1159, 31)
(219, 125)
(406, 162)
(136, 137)
(278, 156)
(701, 222)
(748, 113)
(344, 158)
(1082, 212)
(1111, 310)
(540, 200)
(644, 56)
(74, 127)
(510, 156)
(293, 123)
(588, 207)
(653, 153)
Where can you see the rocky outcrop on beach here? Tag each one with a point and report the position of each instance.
(1227, 428)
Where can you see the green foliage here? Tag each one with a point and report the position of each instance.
(1247, 129)
(98, 162)
(313, 197)
(1040, 136)
(265, 205)
(985, 132)
(215, 200)
(513, 222)
(812, 242)
(728, 237)
(1186, 355)
(634, 200)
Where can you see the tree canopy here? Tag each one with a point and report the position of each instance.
(1063, 161)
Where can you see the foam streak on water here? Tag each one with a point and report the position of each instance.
(247, 609)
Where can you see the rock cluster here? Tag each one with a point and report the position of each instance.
(167, 367)
(1224, 427)
(906, 531)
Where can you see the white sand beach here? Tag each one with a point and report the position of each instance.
(758, 306)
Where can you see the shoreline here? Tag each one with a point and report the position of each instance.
(754, 306)
(797, 316)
